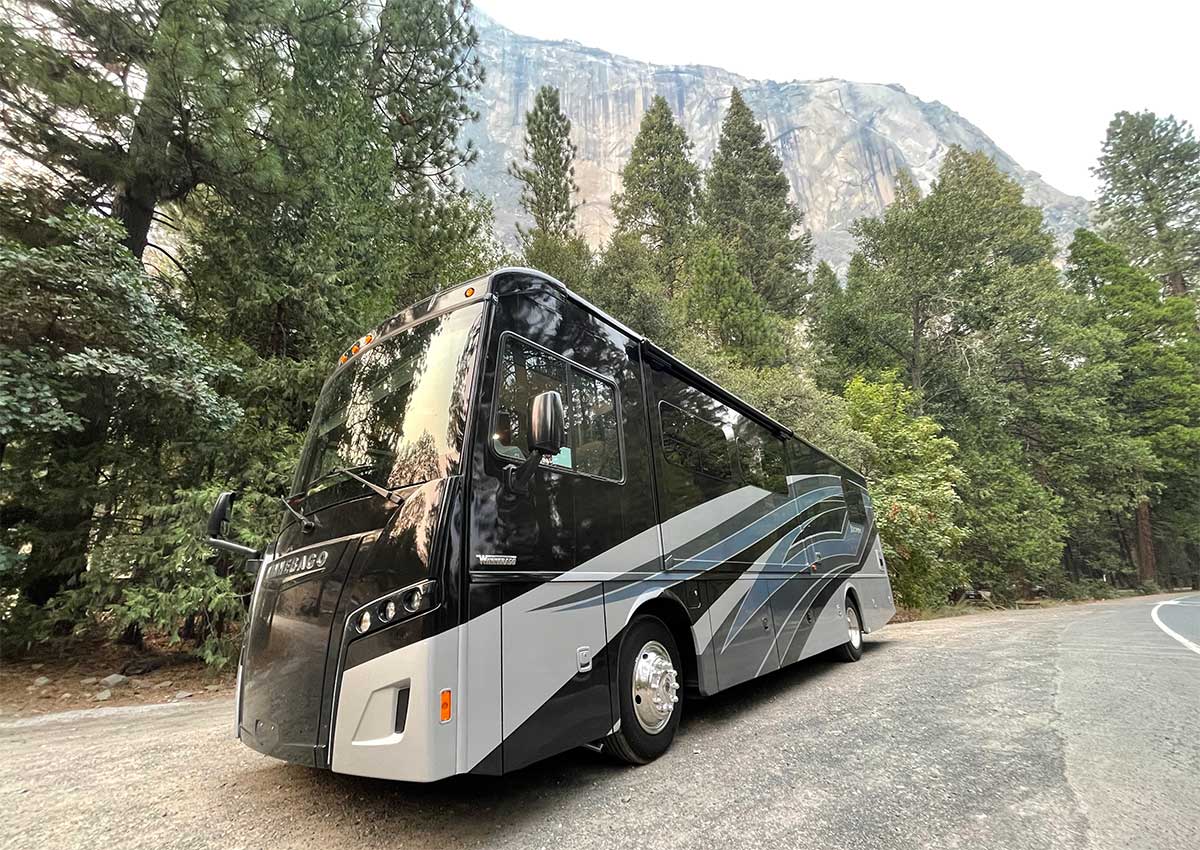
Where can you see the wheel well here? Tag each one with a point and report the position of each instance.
(852, 596)
(673, 614)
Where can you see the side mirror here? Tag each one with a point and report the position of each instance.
(547, 428)
(218, 526)
(547, 434)
(218, 520)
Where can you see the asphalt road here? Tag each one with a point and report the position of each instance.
(1071, 727)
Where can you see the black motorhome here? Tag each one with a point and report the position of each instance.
(518, 527)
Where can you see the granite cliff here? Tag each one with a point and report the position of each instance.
(842, 143)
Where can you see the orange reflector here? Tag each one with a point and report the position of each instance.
(446, 705)
(367, 339)
(470, 291)
(344, 359)
(354, 348)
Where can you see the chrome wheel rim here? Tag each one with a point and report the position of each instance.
(655, 687)
(854, 625)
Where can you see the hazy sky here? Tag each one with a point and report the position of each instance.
(1043, 79)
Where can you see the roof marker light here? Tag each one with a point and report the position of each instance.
(469, 292)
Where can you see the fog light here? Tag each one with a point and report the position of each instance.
(413, 600)
(364, 622)
(389, 610)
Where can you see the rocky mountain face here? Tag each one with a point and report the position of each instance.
(841, 143)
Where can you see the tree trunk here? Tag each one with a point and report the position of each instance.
(1147, 567)
(148, 161)
(1176, 285)
(917, 372)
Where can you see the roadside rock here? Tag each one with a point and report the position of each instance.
(162, 686)
(212, 687)
(113, 680)
(136, 683)
(183, 694)
(41, 681)
(66, 696)
(38, 666)
(101, 696)
(90, 680)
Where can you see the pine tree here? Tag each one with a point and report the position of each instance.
(657, 202)
(548, 176)
(210, 71)
(745, 204)
(1156, 400)
(723, 306)
(1149, 203)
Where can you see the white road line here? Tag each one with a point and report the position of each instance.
(1168, 630)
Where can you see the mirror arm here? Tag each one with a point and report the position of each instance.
(235, 548)
(517, 477)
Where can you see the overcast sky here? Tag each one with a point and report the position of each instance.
(1043, 79)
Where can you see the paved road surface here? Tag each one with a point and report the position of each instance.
(1072, 727)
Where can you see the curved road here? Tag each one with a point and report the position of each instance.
(1069, 727)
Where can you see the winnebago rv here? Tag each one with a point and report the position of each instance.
(518, 527)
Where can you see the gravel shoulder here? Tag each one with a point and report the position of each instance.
(1068, 727)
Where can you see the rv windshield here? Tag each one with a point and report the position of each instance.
(395, 414)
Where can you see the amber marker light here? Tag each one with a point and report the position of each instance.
(469, 292)
(344, 359)
(367, 339)
(445, 717)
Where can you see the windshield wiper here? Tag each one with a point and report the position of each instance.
(307, 523)
(349, 472)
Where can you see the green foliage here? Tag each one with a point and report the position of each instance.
(745, 205)
(1155, 403)
(626, 283)
(306, 156)
(660, 187)
(915, 484)
(1149, 202)
(548, 177)
(110, 379)
(722, 305)
(568, 259)
(957, 291)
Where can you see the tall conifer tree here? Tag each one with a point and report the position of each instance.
(745, 204)
(548, 175)
(1149, 202)
(657, 202)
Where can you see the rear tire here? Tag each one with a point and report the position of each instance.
(648, 670)
(852, 650)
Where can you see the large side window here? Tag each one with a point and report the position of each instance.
(590, 404)
(694, 444)
(761, 458)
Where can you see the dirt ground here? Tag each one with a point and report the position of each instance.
(55, 680)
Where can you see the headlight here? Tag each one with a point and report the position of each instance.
(403, 604)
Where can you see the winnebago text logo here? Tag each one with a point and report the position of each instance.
(297, 564)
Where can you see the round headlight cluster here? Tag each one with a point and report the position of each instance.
(389, 610)
(364, 622)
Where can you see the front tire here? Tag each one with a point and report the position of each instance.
(648, 684)
(852, 650)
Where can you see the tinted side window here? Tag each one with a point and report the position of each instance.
(694, 444)
(856, 508)
(595, 434)
(593, 431)
(761, 457)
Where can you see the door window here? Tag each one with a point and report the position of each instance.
(593, 438)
